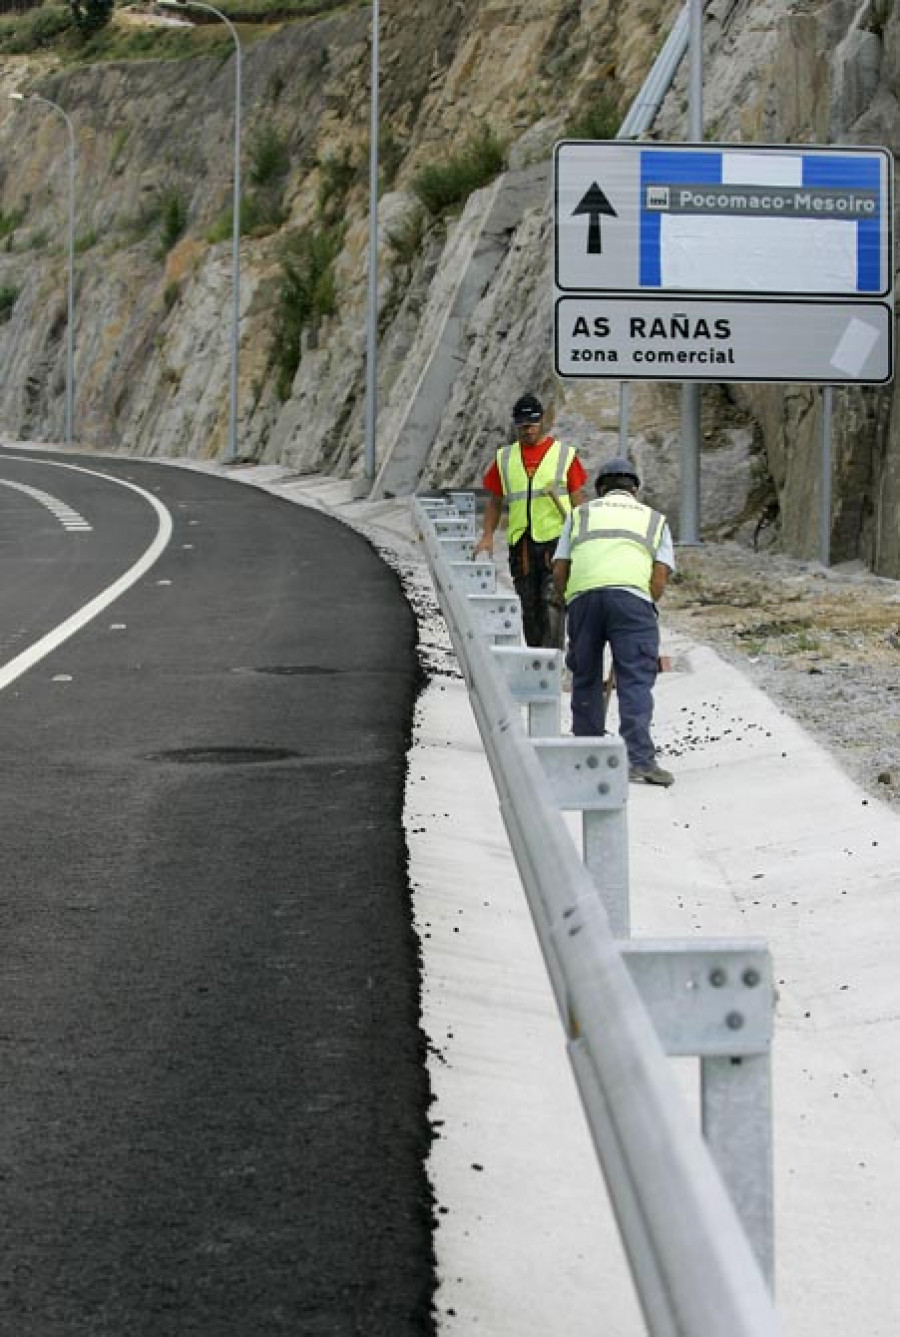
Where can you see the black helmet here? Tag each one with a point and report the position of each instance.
(618, 467)
(527, 409)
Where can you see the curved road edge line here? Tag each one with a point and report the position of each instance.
(49, 642)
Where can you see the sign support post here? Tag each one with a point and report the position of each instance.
(689, 517)
(825, 500)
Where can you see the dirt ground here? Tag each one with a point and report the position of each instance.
(823, 643)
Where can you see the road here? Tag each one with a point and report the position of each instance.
(214, 1102)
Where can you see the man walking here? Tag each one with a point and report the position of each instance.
(613, 560)
(541, 480)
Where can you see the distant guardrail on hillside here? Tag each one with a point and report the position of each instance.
(700, 1252)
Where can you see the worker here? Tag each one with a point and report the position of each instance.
(541, 480)
(613, 561)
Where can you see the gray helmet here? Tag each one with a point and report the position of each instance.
(618, 467)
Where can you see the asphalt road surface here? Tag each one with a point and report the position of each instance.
(214, 1101)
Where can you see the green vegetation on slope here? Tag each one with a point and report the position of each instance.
(306, 295)
(442, 187)
(88, 30)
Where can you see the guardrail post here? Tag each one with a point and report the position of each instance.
(534, 679)
(591, 774)
(736, 1113)
(715, 1000)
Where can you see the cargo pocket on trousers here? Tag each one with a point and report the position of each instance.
(648, 656)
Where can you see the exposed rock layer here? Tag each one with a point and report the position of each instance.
(464, 307)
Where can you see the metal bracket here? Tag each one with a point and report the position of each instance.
(585, 773)
(710, 999)
(474, 577)
(456, 549)
(534, 679)
(497, 615)
(531, 674)
(453, 527)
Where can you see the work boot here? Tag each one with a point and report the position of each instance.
(651, 775)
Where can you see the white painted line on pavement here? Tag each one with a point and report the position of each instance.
(67, 517)
(43, 647)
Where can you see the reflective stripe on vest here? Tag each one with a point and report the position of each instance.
(524, 494)
(614, 542)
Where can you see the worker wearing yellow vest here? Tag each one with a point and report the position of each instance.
(540, 480)
(613, 560)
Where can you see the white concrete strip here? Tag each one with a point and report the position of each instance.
(526, 1242)
(53, 639)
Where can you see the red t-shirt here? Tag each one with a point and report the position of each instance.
(531, 458)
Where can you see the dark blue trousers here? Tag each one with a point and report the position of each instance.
(629, 626)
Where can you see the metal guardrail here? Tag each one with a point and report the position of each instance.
(642, 112)
(699, 1251)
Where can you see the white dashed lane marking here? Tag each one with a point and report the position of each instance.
(67, 517)
(33, 654)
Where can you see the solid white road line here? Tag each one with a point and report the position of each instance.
(43, 647)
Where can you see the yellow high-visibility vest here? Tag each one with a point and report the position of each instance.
(524, 494)
(615, 540)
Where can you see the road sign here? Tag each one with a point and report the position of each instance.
(653, 339)
(790, 247)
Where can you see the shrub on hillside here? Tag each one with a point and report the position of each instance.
(306, 295)
(441, 188)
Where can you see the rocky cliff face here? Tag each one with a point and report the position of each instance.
(464, 302)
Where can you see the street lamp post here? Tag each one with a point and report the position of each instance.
(232, 451)
(372, 307)
(70, 326)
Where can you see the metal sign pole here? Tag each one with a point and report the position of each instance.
(639, 118)
(689, 517)
(624, 416)
(825, 510)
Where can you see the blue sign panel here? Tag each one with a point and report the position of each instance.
(847, 190)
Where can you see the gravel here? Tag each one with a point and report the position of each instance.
(824, 643)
